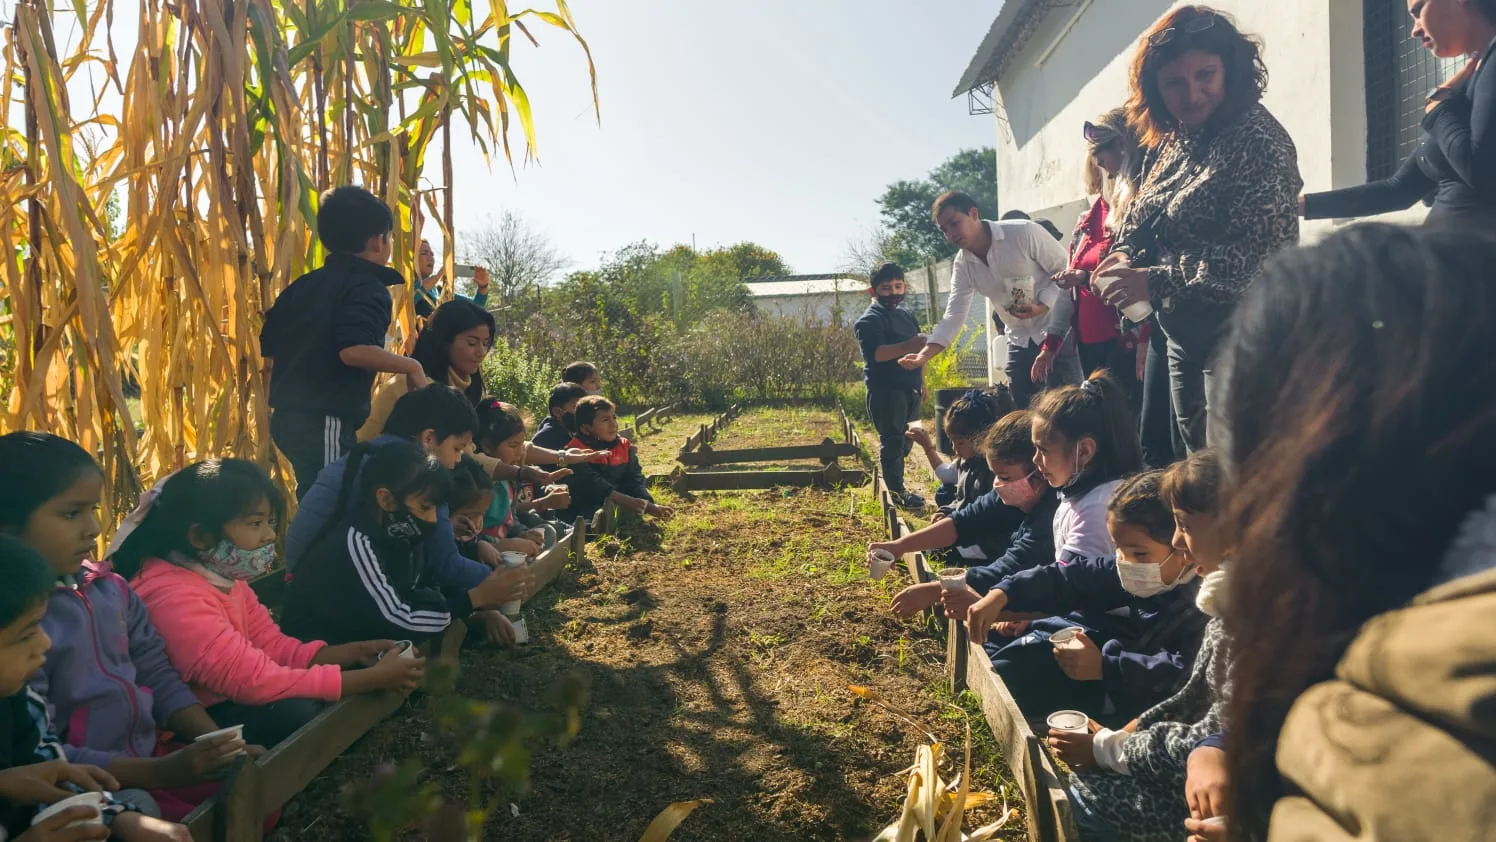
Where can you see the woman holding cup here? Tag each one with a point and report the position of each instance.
(1220, 196)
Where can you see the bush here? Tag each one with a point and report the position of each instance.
(513, 375)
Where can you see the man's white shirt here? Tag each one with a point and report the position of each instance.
(1020, 249)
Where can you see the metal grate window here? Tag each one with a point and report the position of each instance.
(1399, 75)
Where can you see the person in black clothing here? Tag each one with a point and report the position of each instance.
(558, 428)
(615, 475)
(323, 339)
(887, 333)
(1454, 165)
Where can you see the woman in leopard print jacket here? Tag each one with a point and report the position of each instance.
(1219, 197)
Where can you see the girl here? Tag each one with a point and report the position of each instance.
(107, 674)
(614, 475)
(966, 423)
(1130, 782)
(501, 436)
(472, 492)
(1137, 612)
(362, 577)
(451, 349)
(198, 543)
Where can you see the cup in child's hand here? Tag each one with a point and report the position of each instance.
(952, 578)
(237, 731)
(405, 648)
(95, 800)
(879, 562)
(1068, 720)
(1214, 821)
(1067, 638)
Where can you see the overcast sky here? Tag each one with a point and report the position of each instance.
(776, 121)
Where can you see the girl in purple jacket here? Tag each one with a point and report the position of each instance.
(107, 676)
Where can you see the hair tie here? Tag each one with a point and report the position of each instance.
(137, 516)
(974, 395)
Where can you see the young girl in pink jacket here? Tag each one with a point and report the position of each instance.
(190, 550)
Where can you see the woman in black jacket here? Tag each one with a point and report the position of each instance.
(1455, 162)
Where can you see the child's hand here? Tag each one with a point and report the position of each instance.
(536, 537)
(504, 586)
(199, 761)
(41, 783)
(497, 629)
(577, 455)
(958, 602)
(517, 545)
(938, 516)
(1012, 628)
(489, 554)
(1205, 783)
(983, 613)
(556, 498)
(546, 478)
(364, 653)
(920, 436)
(1083, 664)
(661, 512)
(1205, 831)
(1073, 748)
(56, 828)
(890, 547)
(916, 598)
(399, 674)
(138, 827)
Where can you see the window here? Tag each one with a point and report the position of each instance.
(1399, 75)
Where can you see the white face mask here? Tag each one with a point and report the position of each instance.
(1145, 580)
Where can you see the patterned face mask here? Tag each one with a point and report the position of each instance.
(405, 526)
(232, 561)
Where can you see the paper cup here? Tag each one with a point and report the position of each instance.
(952, 578)
(236, 730)
(1067, 638)
(879, 562)
(406, 649)
(1068, 720)
(512, 558)
(82, 799)
(521, 633)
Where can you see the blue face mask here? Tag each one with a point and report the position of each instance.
(232, 561)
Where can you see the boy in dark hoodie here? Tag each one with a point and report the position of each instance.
(616, 475)
(559, 426)
(324, 338)
(885, 332)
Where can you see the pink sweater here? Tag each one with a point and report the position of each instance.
(226, 645)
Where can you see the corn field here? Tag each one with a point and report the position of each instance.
(147, 230)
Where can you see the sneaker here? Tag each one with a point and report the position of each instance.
(909, 500)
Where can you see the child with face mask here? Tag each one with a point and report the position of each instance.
(1136, 612)
(885, 332)
(190, 550)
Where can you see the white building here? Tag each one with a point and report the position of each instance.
(1344, 77)
(831, 299)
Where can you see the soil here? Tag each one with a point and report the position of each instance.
(718, 648)
(658, 446)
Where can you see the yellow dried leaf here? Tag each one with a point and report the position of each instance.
(669, 819)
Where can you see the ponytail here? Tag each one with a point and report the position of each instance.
(1098, 409)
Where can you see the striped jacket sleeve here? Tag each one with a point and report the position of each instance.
(401, 607)
(49, 747)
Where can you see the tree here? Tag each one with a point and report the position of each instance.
(905, 205)
(866, 250)
(515, 255)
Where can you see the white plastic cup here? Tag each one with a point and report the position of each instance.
(1138, 311)
(1067, 638)
(1072, 721)
(1214, 821)
(236, 730)
(952, 578)
(510, 559)
(406, 648)
(83, 799)
(521, 633)
(879, 562)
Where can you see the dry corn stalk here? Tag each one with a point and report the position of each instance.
(144, 242)
(669, 819)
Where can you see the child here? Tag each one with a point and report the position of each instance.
(615, 475)
(198, 543)
(512, 522)
(442, 421)
(107, 675)
(363, 577)
(1137, 607)
(323, 340)
(885, 334)
(560, 425)
(585, 375)
(472, 492)
(33, 771)
(1017, 517)
(966, 423)
(1131, 781)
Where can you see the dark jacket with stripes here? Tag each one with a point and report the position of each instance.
(28, 737)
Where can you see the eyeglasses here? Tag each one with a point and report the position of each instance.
(1195, 26)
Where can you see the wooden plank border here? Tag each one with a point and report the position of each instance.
(827, 451)
(831, 476)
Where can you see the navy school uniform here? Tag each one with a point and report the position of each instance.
(551, 435)
(317, 401)
(892, 390)
(994, 539)
(1147, 645)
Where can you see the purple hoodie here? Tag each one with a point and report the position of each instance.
(107, 677)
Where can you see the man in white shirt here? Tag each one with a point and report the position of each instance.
(1009, 262)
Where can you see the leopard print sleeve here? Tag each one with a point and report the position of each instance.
(1167, 733)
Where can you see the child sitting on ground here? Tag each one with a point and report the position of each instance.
(364, 577)
(514, 524)
(472, 492)
(585, 375)
(614, 476)
(33, 770)
(560, 424)
(966, 422)
(1136, 610)
(1130, 782)
(1018, 511)
(195, 547)
(107, 674)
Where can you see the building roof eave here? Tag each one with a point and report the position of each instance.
(1011, 30)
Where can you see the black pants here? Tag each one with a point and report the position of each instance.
(1121, 362)
(891, 411)
(1019, 368)
(266, 725)
(311, 441)
(1162, 444)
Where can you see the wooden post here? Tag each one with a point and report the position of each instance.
(238, 816)
(579, 540)
(955, 656)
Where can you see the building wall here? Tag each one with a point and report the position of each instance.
(830, 308)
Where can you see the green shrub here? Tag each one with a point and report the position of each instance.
(513, 375)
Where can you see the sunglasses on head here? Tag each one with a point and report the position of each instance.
(1098, 135)
(1194, 26)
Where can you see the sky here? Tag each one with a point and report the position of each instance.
(775, 121)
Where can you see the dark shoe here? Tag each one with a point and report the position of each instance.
(909, 500)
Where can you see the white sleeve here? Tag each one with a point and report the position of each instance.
(948, 473)
(1047, 252)
(1106, 747)
(956, 307)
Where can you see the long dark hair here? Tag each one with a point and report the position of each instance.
(1241, 60)
(207, 494)
(433, 346)
(402, 467)
(34, 468)
(1097, 408)
(1360, 432)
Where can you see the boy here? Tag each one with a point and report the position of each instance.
(887, 333)
(323, 340)
(560, 425)
(442, 421)
(33, 770)
(616, 475)
(585, 375)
